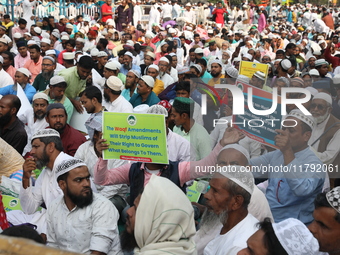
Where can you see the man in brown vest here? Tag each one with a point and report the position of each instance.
(326, 135)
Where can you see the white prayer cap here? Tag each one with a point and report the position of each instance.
(239, 148)
(239, 175)
(308, 119)
(71, 17)
(28, 33)
(31, 42)
(45, 40)
(314, 72)
(295, 237)
(102, 54)
(312, 90)
(149, 80)
(17, 35)
(114, 83)
(40, 95)
(48, 132)
(286, 64)
(69, 26)
(158, 109)
(62, 17)
(50, 52)
(198, 67)
(55, 34)
(188, 4)
(172, 31)
(142, 108)
(320, 37)
(183, 69)
(130, 43)
(151, 54)
(65, 37)
(324, 96)
(217, 61)
(260, 75)
(24, 71)
(56, 80)
(243, 78)
(317, 52)
(210, 31)
(333, 198)
(128, 53)
(37, 30)
(68, 165)
(164, 59)
(154, 67)
(199, 51)
(68, 55)
(135, 72)
(94, 52)
(149, 35)
(113, 65)
(80, 40)
(232, 72)
(321, 62)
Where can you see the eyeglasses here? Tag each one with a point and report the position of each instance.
(46, 65)
(319, 106)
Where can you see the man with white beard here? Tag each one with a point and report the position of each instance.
(327, 129)
(163, 75)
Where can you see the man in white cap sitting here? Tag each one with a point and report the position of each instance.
(53, 54)
(21, 79)
(47, 153)
(145, 95)
(127, 64)
(259, 80)
(153, 71)
(326, 134)
(43, 79)
(112, 94)
(163, 65)
(102, 60)
(291, 193)
(131, 82)
(326, 224)
(68, 59)
(288, 237)
(80, 220)
(112, 69)
(228, 197)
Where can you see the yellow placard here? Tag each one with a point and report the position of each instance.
(248, 68)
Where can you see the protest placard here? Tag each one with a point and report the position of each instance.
(249, 68)
(259, 127)
(136, 137)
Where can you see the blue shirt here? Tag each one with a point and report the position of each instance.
(291, 194)
(126, 93)
(29, 91)
(125, 71)
(152, 99)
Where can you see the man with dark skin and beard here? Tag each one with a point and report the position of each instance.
(71, 138)
(127, 64)
(12, 130)
(43, 79)
(56, 94)
(132, 79)
(66, 216)
(216, 72)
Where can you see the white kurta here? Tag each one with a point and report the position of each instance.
(120, 105)
(81, 230)
(234, 240)
(166, 79)
(178, 147)
(6, 79)
(137, 14)
(27, 8)
(190, 16)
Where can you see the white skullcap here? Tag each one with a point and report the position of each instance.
(308, 119)
(333, 198)
(198, 67)
(24, 71)
(80, 40)
(69, 26)
(17, 35)
(239, 175)
(149, 35)
(172, 31)
(55, 34)
(65, 37)
(324, 96)
(48, 132)
(135, 72)
(114, 83)
(158, 109)
(210, 31)
(188, 4)
(40, 95)
(321, 62)
(295, 237)
(62, 17)
(154, 67)
(243, 78)
(199, 51)
(56, 80)
(317, 52)
(128, 53)
(113, 65)
(151, 54)
(50, 52)
(314, 72)
(28, 33)
(37, 30)
(31, 42)
(94, 52)
(217, 61)
(71, 17)
(142, 108)
(172, 54)
(68, 55)
(164, 59)
(162, 43)
(312, 90)
(102, 54)
(68, 165)
(286, 64)
(149, 80)
(45, 40)
(248, 56)
(232, 72)
(239, 148)
(260, 75)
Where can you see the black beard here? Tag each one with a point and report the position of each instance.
(215, 75)
(39, 116)
(80, 201)
(41, 162)
(5, 119)
(47, 75)
(128, 241)
(107, 98)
